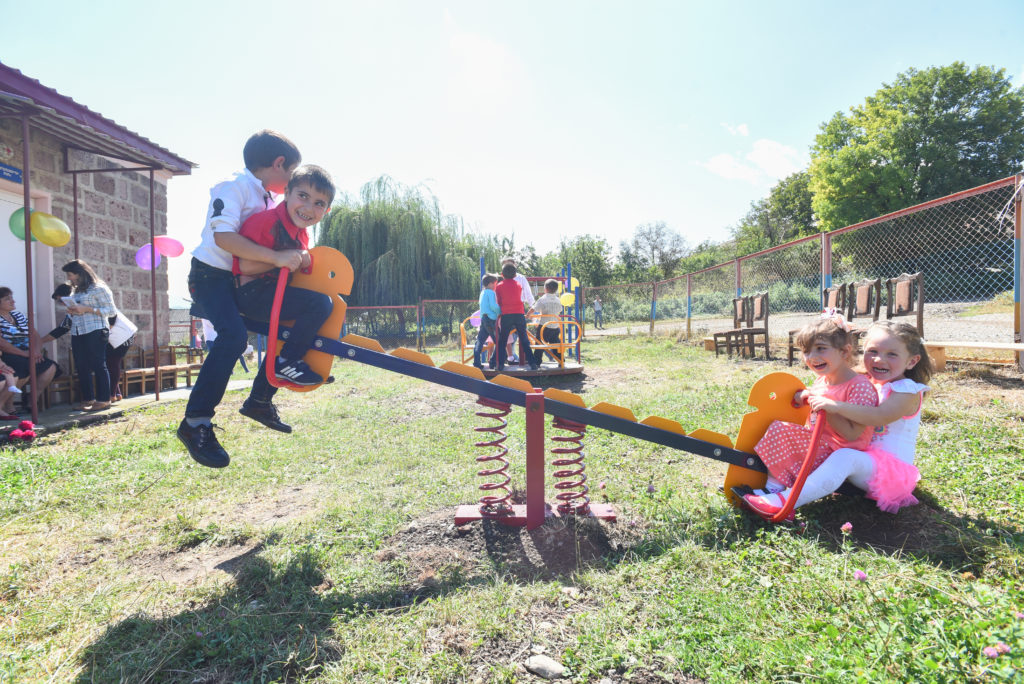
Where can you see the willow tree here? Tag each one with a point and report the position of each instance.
(403, 249)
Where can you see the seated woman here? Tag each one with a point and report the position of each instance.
(14, 345)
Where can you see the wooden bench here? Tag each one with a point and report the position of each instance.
(176, 362)
(937, 350)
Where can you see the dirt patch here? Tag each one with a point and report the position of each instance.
(282, 506)
(437, 551)
(187, 566)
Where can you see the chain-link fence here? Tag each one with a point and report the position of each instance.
(622, 305)
(392, 326)
(967, 245)
(440, 320)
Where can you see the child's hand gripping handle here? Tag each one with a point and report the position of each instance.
(805, 470)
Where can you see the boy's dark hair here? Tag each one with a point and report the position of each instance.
(488, 279)
(5, 292)
(825, 330)
(62, 290)
(263, 147)
(87, 277)
(315, 176)
(508, 271)
(551, 285)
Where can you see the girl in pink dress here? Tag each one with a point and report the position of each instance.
(828, 351)
(898, 365)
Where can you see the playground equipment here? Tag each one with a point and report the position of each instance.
(331, 274)
(569, 332)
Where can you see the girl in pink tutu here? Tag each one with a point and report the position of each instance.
(897, 363)
(828, 351)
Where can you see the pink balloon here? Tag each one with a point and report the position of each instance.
(142, 257)
(474, 319)
(168, 246)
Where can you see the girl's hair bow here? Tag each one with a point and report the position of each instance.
(832, 314)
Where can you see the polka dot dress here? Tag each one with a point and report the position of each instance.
(785, 445)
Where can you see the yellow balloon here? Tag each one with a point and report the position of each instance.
(560, 287)
(568, 299)
(574, 284)
(49, 229)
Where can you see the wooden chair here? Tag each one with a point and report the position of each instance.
(757, 326)
(741, 310)
(864, 300)
(833, 297)
(65, 384)
(905, 297)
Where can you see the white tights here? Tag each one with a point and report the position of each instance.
(843, 465)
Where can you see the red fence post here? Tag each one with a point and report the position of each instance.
(535, 506)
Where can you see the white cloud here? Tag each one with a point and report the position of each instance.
(775, 159)
(741, 129)
(727, 166)
(767, 162)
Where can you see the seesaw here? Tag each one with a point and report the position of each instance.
(331, 273)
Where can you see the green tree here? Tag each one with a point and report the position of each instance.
(928, 134)
(402, 248)
(590, 257)
(784, 215)
(657, 249)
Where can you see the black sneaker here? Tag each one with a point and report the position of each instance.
(202, 445)
(265, 414)
(296, 372)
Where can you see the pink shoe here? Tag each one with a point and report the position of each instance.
(764, 506)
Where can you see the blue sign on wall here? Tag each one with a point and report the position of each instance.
(10, 173)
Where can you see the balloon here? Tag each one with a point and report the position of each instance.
(17, 224)
(574, 284)
(474, 319)
(142, 258)
(49, 229)
(568, 299)
(561, 287)
(168, 246)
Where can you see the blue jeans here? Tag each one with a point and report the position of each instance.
(307, 308)
(213, 298)
(486, 330)
(90, 354)
(598, 319)
(510, 322)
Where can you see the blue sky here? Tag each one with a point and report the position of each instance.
(543, 119)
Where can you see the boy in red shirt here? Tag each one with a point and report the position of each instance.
(308, 196)
(510, 301)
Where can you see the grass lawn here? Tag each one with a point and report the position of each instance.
(329, 555)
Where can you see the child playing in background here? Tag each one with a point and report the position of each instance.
(513, 317)
(828, 349)
(270, 159)
(309, 195)
(898, 365)
(548, 305)
(489, 312)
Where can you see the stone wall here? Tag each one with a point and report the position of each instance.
(113, 222)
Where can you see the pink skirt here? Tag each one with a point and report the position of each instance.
(893, 483)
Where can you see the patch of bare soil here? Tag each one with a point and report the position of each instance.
(435, 550)
(282, 506)
(183, 567)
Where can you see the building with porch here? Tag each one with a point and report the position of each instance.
(109, 184)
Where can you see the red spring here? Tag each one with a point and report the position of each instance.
(497, 464)
(572, 493)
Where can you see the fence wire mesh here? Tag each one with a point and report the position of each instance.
(711, 294)
(440, 321)
(623, 305)
(392, 326)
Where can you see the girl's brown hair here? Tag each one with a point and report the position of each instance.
(924, 369)
(87, 276)
(825, 330)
